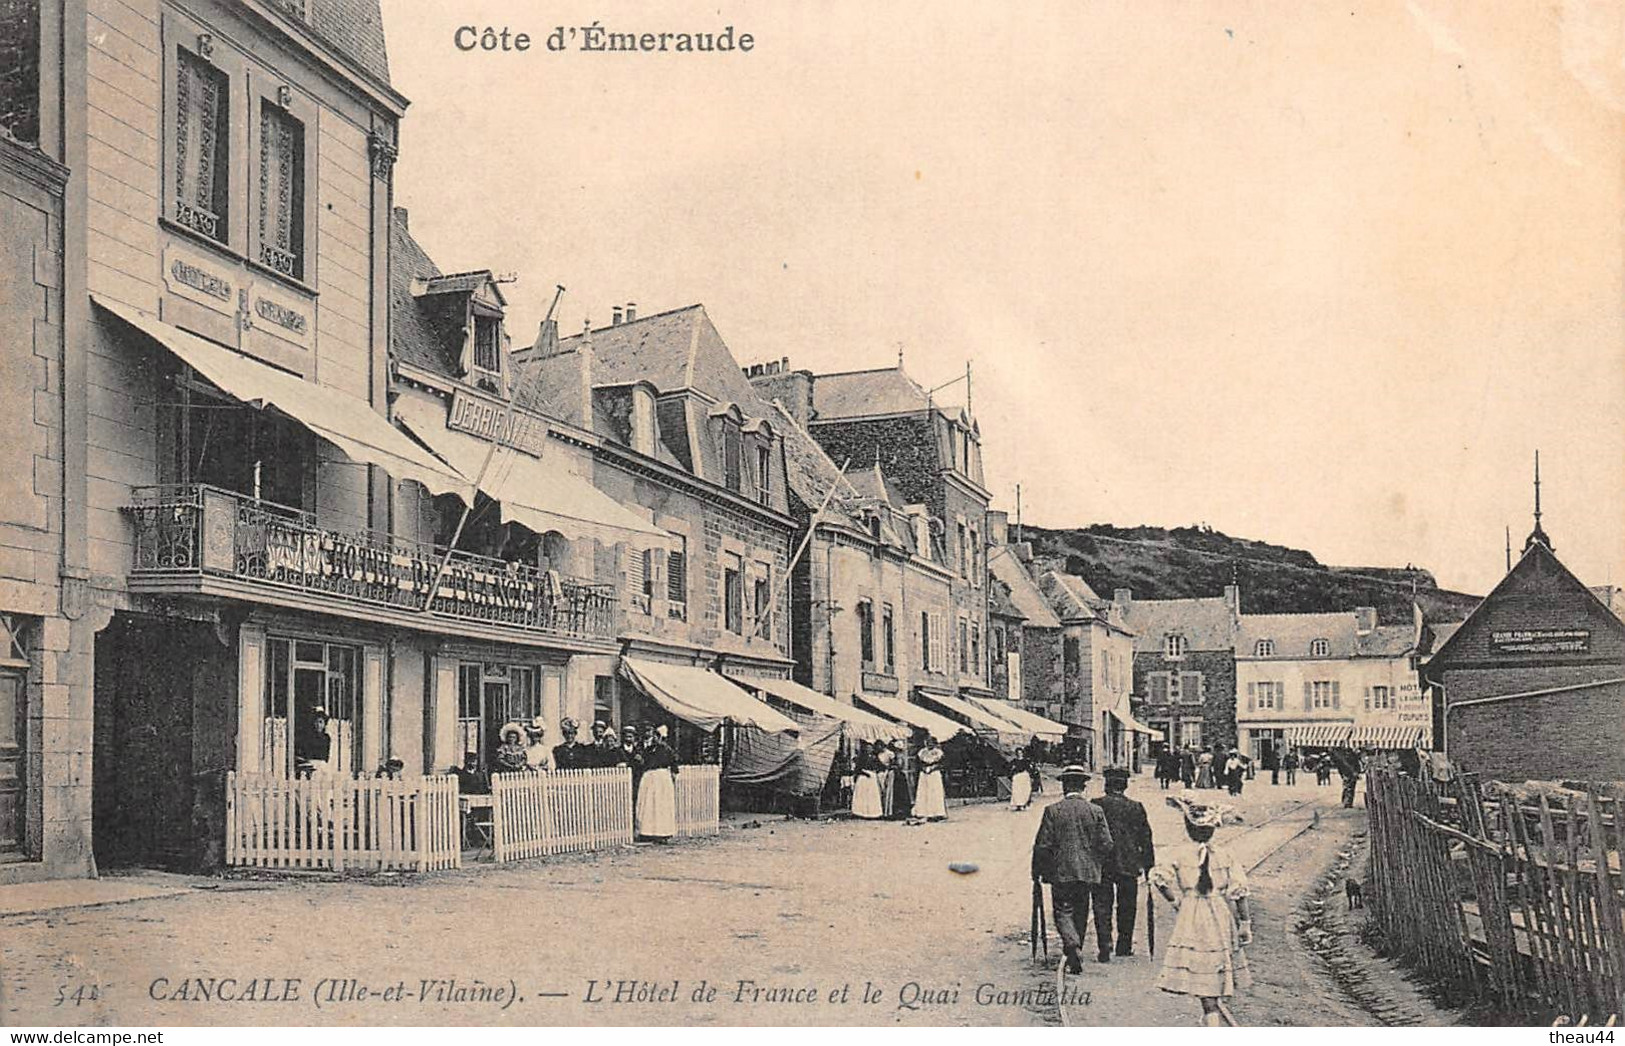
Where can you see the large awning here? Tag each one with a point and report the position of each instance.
(1130, 723)
(1048, 729)
(703, 698)
(353, 426)
(1412, 736)
(864, 726)
(980, 718)
(938, 726)
(1319, 735)
(539, 493)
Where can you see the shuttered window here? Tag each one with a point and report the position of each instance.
(677, 577)
(1190, 687)
(1158, 688)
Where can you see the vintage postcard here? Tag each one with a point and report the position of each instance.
(806, 514)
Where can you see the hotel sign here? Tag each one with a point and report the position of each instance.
(491, 421)
(1541, 641)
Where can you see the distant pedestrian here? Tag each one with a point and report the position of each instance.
(1290, 764)
(1204, 771)
(930, 798)
(1323, 769)
(1272, 763)
(1187, 768)
(1132, 856)
(1234, 772)
(1204, 955)
(1072, 845)
(1021, 782)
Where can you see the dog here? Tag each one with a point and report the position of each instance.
(1355, 892)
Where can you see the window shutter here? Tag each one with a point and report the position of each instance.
(1337, 699)
(1252, 696)
(1190, 687)
(1368, 699)
(1308, 696)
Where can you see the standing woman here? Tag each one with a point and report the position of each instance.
(886, 777)
(866, 786)
(657, 793)
(1021, 782)
(1204, 955)
(1204, 770)
(930, 800)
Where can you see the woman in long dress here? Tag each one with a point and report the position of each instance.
(930, 801)
(866, 786)
(1021, 783)
(1204, 956)
(657, 793)
(1204, 770)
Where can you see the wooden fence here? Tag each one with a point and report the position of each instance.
(1511, 892)
(699, 800)
(337, 824)
(567, 811)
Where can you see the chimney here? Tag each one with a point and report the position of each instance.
(1123, 598)
(1232, 598)
(400, 219)
(1365, 620)
(584, 363)
(792, 388)
(1023, 551)
(615, 316)
(998, 527)
(631, 311)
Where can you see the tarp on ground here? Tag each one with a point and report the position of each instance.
(865, 726)
(939, 726)
(703, 698)
(1047, 729)
(795, 763)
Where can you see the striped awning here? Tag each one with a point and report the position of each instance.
(1388, 737)
(1319, 735)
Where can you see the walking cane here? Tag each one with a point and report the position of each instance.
(1040, 928)
(1150, 917)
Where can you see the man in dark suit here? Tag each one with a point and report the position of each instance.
(1073, 844)
(1132, 855)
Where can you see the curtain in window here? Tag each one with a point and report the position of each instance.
(201, 124)
(281, 218)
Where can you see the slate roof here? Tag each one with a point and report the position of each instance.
(865, 393)
(674, 350)
(354, 28)
(999, 603)
(1024, 592)
(1292, 634)
(812, 474)
(1206, 623)
(414, 339)
(461, 283)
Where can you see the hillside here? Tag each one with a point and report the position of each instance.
(1189, 561)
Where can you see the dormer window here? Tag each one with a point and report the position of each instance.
(764, 473)
(1175, 647)
(1264, 648)
(733, 451)
(1319, 648)
(488, 344)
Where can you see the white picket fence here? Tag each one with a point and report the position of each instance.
(699, 800)
(566, 811)
(412, 824)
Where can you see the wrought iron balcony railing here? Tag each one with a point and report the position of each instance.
(192, 530)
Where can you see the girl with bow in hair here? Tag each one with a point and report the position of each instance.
(1208, 887)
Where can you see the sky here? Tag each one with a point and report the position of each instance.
(1325, 276)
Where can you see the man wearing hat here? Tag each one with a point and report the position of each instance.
(1073, 845)
(1132, 855)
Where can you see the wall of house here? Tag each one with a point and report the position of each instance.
(1217, 707)
(1572, 736)
(1042, 678)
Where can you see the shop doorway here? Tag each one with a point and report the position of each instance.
(13, 732)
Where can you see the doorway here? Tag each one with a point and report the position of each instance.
(13, 765)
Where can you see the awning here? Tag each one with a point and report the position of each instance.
(1130, 723)
(980, 718)
(1403, 737)
(1318, 735)
(353, 426)
(1048, 729)
(862, 725)
(539, 493)
(703, 698)
(939, 726)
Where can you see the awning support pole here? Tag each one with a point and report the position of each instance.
(490, 454)
(812, 524)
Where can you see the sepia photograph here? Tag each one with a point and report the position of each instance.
(808, 514)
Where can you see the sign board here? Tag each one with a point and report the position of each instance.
(489, 420)
(1541, 641)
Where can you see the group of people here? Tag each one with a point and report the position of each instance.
(646, 750)
(1204, 768)
(881, 784)
(1094, 853)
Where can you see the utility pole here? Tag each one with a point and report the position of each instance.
(1018, 513)
(812, 524)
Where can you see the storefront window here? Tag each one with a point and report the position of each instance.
(214, 440)
(312, 709)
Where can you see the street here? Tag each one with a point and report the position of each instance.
(775, 922)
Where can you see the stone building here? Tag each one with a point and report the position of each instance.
(1033, 644)
(931, 457)
(1185, 666)
(1097, 670)
(1531, 686)
(680, 436)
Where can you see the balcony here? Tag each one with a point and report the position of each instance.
(201, 540)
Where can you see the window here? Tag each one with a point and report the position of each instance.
(640, 582)
(1264, 648)
(470, 716)
(733, 594)
(866, 632)
(1157, 688)
(925, 641)
(1175, 646)
(1379, 698)
(1190, 733)
(301, 677)
(202, 154)
(764, 474)
(975, 559)
(1071, 655)
(964, 551)
(964, 646)
(677, 581)
(763, 602)
(731, 453)
(1268, 696)
(888, 639)
(488, 344)
(603, 698)
(1319, 648)
(1190, 687)
(282, 191)
(524, 695)
(19, 70)
(1321, 694)
(976, 648)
